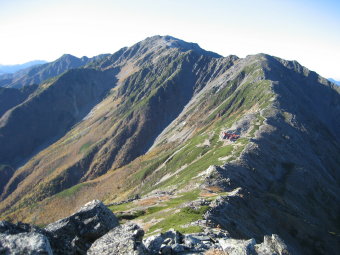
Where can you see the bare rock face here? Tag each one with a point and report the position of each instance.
(76, 233)
(31, 243)
(125, 239)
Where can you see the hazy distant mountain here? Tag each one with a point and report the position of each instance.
(334, 81)
(14, 68)
(147, 120)
(37, 74)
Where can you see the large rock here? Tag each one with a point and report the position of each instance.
(76, 233)
(194, 243)
(154, 243)
(23, 238)
(122, 240)
(238, 247)
(213, 241)
(272, 245)
(31, 243)
(163, 241)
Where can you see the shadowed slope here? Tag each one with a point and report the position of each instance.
(11, 97)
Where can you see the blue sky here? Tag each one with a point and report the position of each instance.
(306, 31)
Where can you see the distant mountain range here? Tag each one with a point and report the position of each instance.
(145, 124)
(14, 68)
(39, 73)
(334, 81)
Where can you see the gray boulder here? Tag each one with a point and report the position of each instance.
(154, 243)
(31, 243)
(272, 245)
(238, 247)
(167, 240)
(197, 242)
(122, 240)
(191, 242)
(76, 233)
(176, 248)
(23, 238)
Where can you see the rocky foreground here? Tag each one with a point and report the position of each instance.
(94, 229)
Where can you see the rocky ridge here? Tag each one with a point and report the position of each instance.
(94, 229)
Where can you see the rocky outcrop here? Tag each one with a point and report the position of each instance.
(238, 247)
(94, 230)
(72, 235)
(272, 245)
(168, 241)
(76, 233)
(213, 240)
(125, 239)
(23, 239)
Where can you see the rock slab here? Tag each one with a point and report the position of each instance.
(25, 243)
(125, 239)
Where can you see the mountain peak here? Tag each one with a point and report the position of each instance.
(66, 57)
(151, 48)
(167, 41)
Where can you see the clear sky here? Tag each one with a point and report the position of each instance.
(304, 30)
